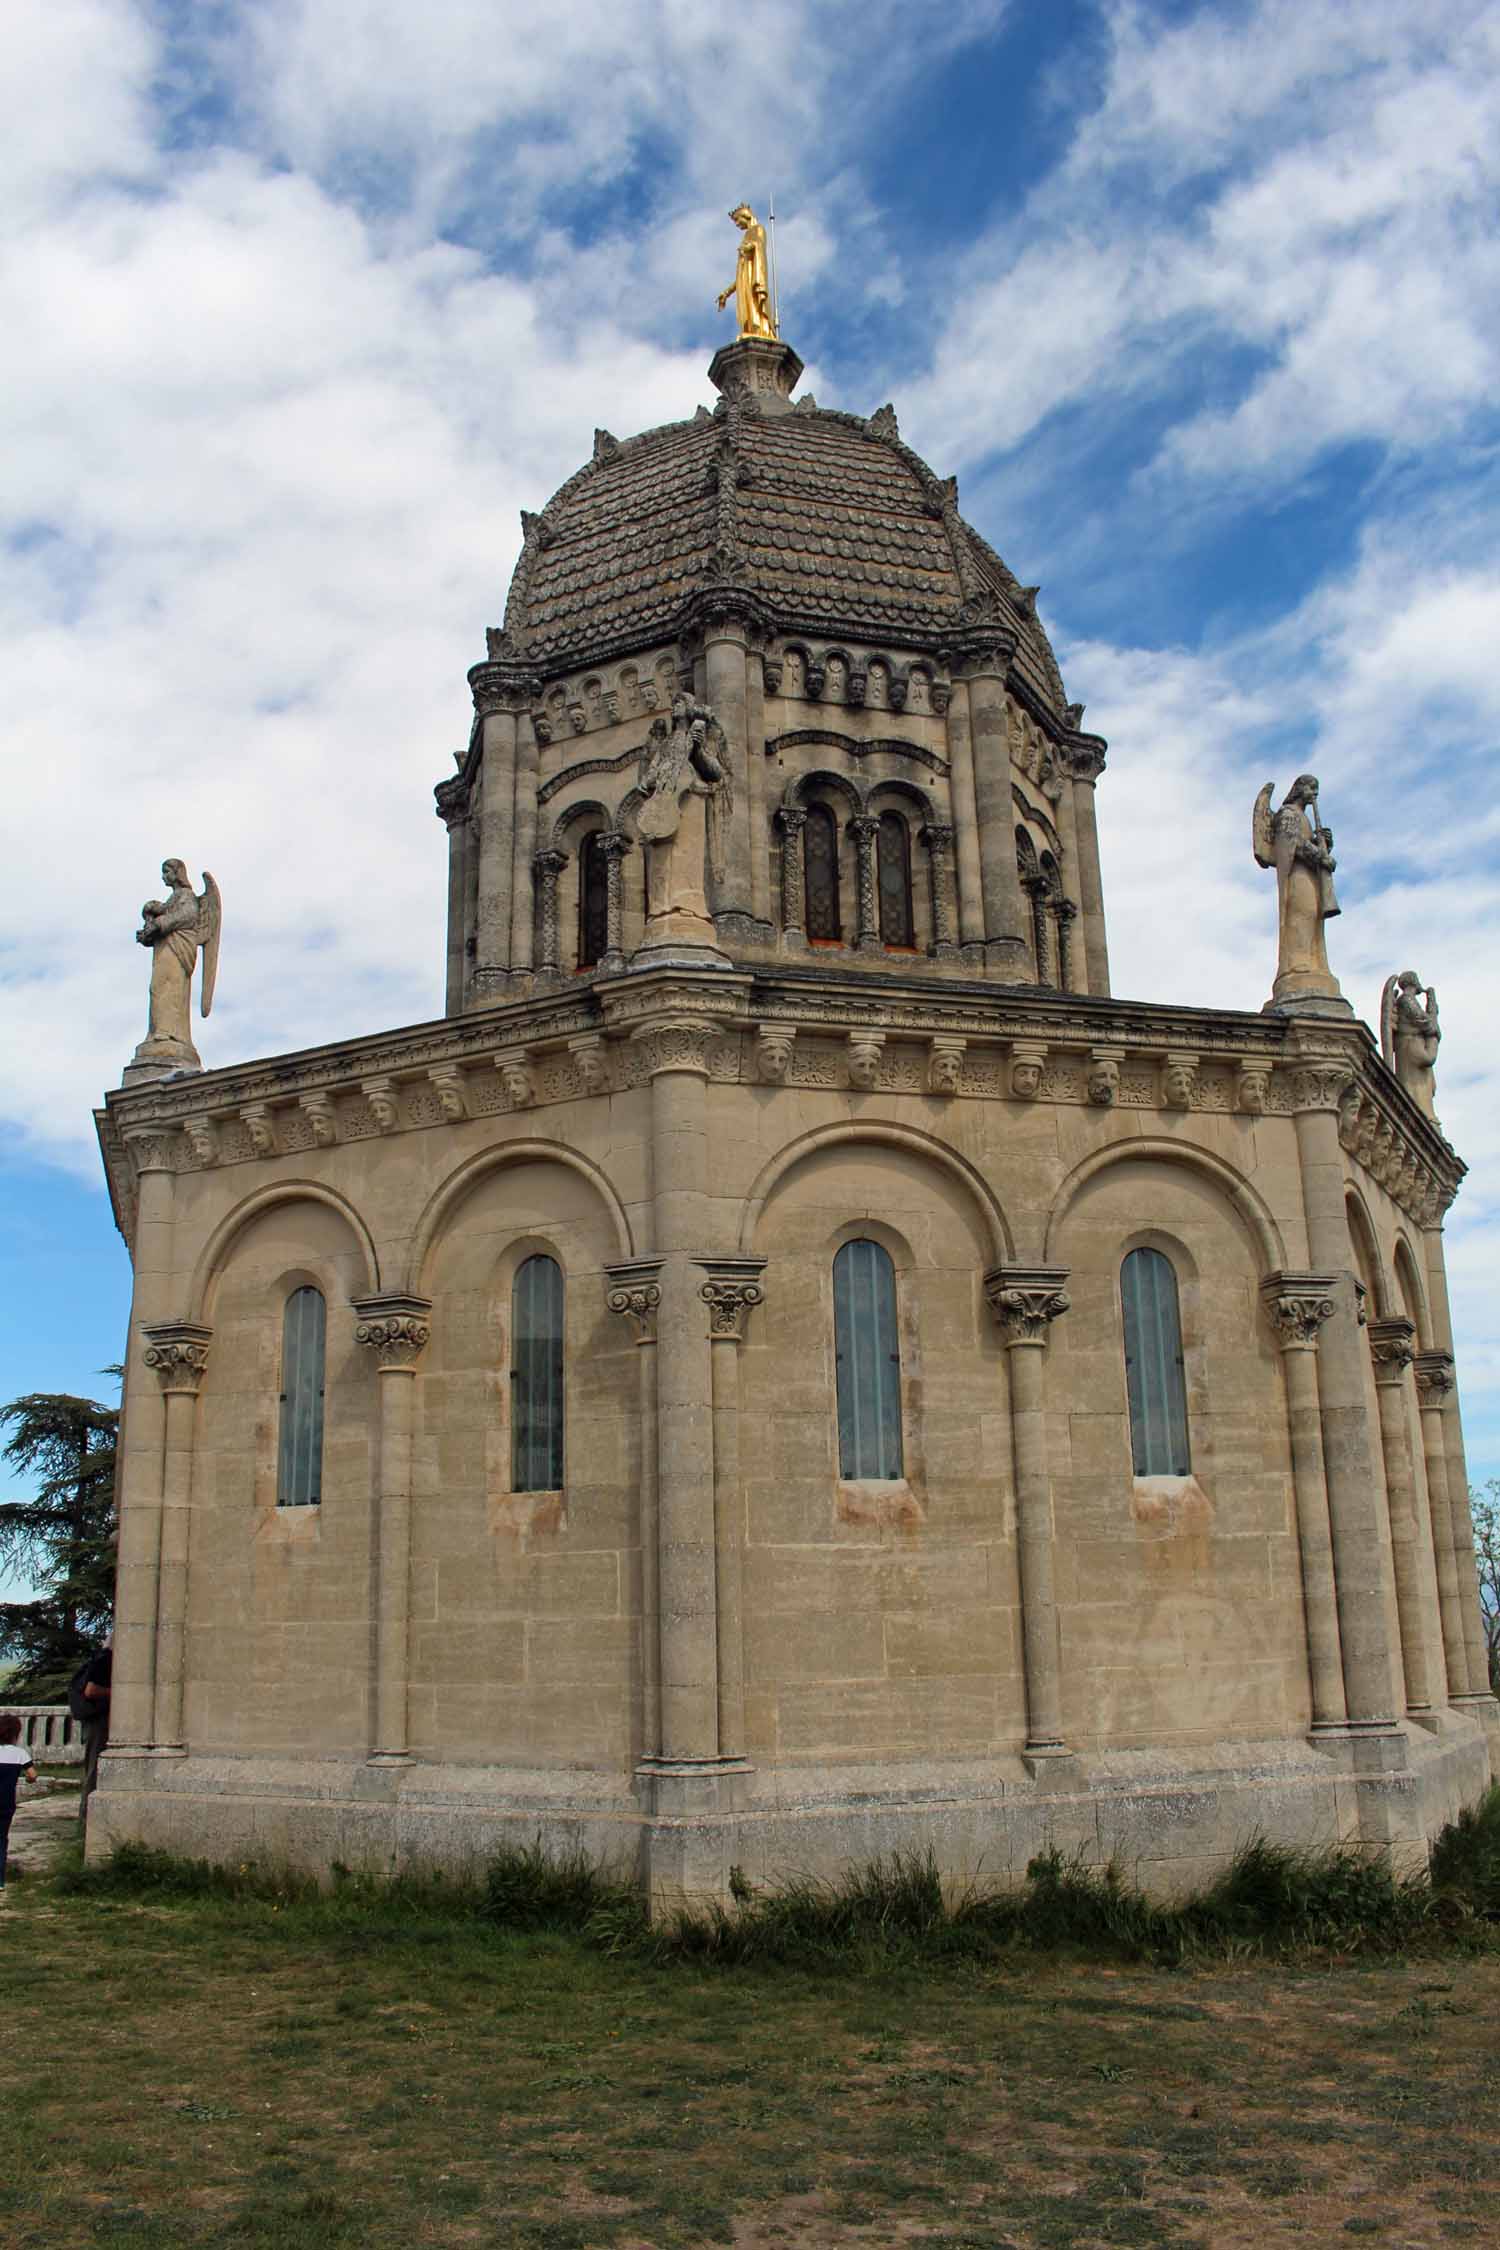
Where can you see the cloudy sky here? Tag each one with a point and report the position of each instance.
(305, 299)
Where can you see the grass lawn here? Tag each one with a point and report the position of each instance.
(223, 2071)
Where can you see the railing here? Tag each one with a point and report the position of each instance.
(50, 1732)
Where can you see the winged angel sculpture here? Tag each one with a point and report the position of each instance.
(1294, 842)
(1409, 1035)
(176, 928)
(685, 805)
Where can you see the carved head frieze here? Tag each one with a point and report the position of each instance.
(1179, 1081)
(1103, 1080)
(945, 1062)
(774, 1043)
(1027, 1063)
(864, 1059)
(1252, 1083)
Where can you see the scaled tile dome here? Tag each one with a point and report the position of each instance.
(838, 527)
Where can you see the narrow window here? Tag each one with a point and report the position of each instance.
(299, 1467)
(893, 849)
(820, 860)
(1153, 1366)
(593, 901)
(536, 1377)
(867, 1360)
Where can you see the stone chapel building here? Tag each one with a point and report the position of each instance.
(789, 1366)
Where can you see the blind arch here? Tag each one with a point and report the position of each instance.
(1154, 1377)
(867, 1361)
(536, 1376)
(299, 1451)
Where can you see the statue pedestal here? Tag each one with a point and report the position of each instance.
(1308, 1004)
(159, 1058)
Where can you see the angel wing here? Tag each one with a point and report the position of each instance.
(210, 917)
(1262, 830)
(1388, 1021)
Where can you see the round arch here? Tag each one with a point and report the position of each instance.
(458, 1184)
(795, 793)
(1363, 1238)
(873, 1130)
(215, 1250)
(1409, 1286)
(572, 816)
(907, 791)
(1253, 1213)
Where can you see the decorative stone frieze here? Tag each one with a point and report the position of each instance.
(447, 1082)
(1179, 1081)
(177, 1354)
(633, 1290)
(1434, 1375)
(1103, 1081)
(1392, 1348)
(774, 1043)
(395, 1327)
(1025, 1301)
(1297, 1304)
(731, 1292)
(864, 1050)
(202, 1139)
(380, 1094)
(318, 1110)
(513, 1068)
(945, 1063)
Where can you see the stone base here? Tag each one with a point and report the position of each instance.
(1171, 1820)
(1299, 1003)
(160, 1058)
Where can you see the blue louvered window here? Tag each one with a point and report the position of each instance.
(536, 1377)
(299, 1463)
(867, 1361)
(1153, 1366)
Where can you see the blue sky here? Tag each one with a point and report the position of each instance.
(306, 299)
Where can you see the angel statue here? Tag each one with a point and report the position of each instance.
(1409, 1035)
(1293, 841)
(175, 927)
(751, 286)
(682, 818)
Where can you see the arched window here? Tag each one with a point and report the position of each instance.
(299, 1462)
(593, 900)
(893, 861)
(820, 865)
(536, 1377)
(1153, 1366)
(867, 1361)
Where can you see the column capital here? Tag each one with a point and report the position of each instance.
(614, 843)
(503, 687)
(731, 1292)
(675, 1043)
(1392, 1348)
(549, 862)
(1025, 1300)
(1319, 1081)
(153, 1148)
(633, 1290)
(395, 1327)
(177, 1354)
(1297, 1304)
(791, 819)
(1434, 1373)
(863, 824)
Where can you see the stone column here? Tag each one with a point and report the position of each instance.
(178, 1353)
(1391, 1349)
(791, 820)
(1297, 1304)
(132, 1717)
(1477, 1658)
(1004, 908)
(634, 1293)
(395, 1328)
(726, 627)
(1434, 1376)
(965, 816)
(500, 694)
(730, 1292)
(614, 845)
(865, 829)
(1082, 760)
(938, 837)
(1353, 1501)
(454, 811)
(522, 905)
(760, 838)
(675, 1054)
(1025, 1301)
(1063, 913)
(546, 868)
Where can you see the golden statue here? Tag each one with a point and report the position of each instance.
(751, 288)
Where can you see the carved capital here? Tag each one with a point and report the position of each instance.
(945, 1063)
(202, 1139)
(452, 797)
(1025, 1301)
(614, 843)
(395, 1327)
(1434, 1373)
(447, 1082)
(674, 1043)
(513, 1067)
(1319, 1084)
(1028, 1061)
(380, 1093)
(774, 1043)
(791, 820)
(731, 1291)
(318, 1110)
(865, 1048)
(1103, 1081)
(1081, 757)
(1392, 1348)
(177, 1354)
(151, 1147)
(1179, 1081)
(587, 1052)
(502, 687)
(256, 1119)
(1297, 1304)
(1251, 1085)
(633, 1290)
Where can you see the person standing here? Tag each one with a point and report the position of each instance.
(93, 1691)
(15, 1766)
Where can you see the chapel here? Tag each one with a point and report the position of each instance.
(789, 1366)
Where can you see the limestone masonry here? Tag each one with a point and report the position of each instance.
(790, 1366)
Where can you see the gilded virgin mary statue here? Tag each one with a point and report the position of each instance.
(751, 286)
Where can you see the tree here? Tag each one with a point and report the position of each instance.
(62, 1538)
(1485, 1509)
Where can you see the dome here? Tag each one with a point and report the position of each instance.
(839, 529)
